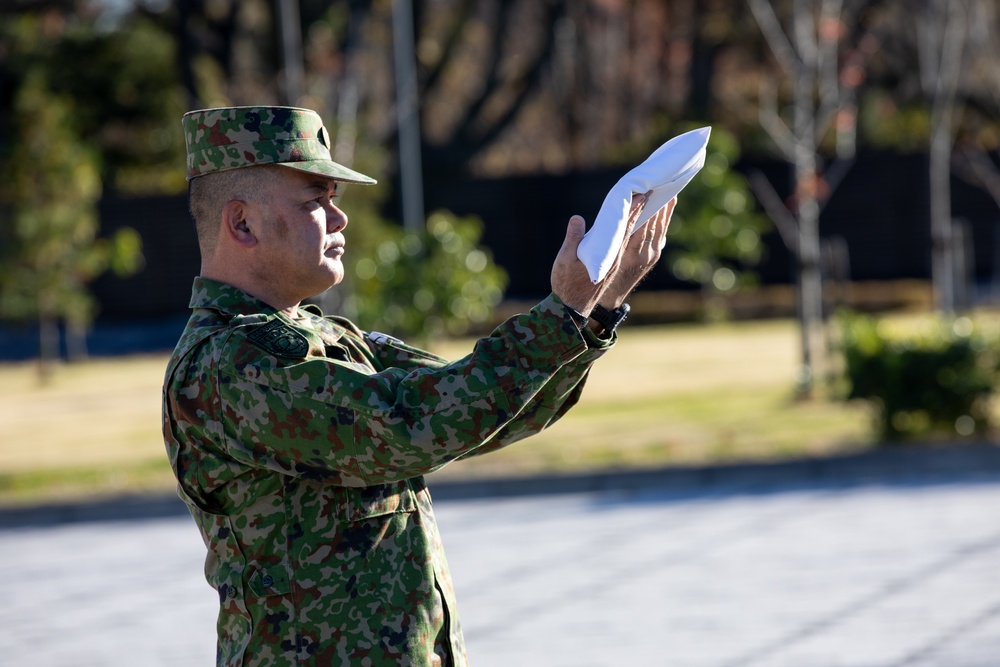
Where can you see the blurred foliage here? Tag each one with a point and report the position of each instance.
(81, 107)
(935, 381)
(120, 89)
(49, 187)
(716, 230)
(437, 281)
(885, 123)
(504, 88)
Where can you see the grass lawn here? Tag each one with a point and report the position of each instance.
(680, 394)
(683, 395)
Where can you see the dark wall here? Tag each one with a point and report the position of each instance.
(880, 208)
(170, 247)
(525, 218)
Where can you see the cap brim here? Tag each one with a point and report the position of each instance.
(330, 169)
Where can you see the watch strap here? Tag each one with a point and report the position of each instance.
(609, 319)
(579, 318)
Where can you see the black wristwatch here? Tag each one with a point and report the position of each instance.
(609, 319)
(579, 318)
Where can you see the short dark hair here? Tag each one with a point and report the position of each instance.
(208, 194)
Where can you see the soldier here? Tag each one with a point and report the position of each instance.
(300, 441)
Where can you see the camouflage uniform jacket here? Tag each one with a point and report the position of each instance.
(300, 448)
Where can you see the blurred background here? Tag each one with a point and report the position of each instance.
(827, 302)
(848, 208)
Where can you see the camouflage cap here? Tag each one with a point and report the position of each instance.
(234, 137)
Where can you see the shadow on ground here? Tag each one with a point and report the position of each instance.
(890, 465)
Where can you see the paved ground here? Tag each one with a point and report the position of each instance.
(850, 569)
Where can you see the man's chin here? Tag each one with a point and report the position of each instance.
(333, 278)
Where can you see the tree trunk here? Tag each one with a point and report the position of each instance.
(810, 285)
(810, 281)
(76, 342)
(942, 252)
(48, 347)
(407, 117)
(290, 40)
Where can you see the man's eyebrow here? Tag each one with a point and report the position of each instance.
(322, 186)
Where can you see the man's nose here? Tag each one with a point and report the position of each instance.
(336, 219)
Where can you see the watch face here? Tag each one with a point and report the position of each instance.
(620, 314)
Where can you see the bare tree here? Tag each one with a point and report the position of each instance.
(942, 32)
(972, 160)
(808, 52)
(488, 90)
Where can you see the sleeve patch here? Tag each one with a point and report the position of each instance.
(280, 340)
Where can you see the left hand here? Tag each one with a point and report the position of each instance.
(641, 253)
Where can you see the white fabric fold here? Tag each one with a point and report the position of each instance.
(664, 173)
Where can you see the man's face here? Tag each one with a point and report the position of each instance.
(300, 244)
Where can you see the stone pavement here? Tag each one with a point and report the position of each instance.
(853, 565)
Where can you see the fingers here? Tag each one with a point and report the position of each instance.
(638, 204)
(641, 254)
(652, 236)
(656, 235)
(647, 243)
(668, 213)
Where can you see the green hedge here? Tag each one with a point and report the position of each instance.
(934, 381)
(420, 285)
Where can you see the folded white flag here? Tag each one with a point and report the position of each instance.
(665, 173)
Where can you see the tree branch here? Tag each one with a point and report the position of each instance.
(783, 220)
(451, 41)
(984, 38)
(827, 65)
(953, 47)
(772, 123)
(978, 169)
(834, 174)
(493, 74)
(776, 38)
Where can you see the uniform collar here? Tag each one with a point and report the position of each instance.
(233, 302)
(228, 300)
(311, 318)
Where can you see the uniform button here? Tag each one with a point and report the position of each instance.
(231, 592)
(267, 581)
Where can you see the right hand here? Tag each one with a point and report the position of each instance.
(570, 280)
(641, 253)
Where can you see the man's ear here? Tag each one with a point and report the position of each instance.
(235, 224)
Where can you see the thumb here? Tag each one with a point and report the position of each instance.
(575, 231)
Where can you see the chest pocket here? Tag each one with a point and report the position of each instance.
(269, 581)
(359, 504)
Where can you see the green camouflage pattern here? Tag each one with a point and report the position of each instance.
(303, 467)
(235, 137)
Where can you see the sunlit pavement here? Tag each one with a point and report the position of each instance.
(846, 569)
